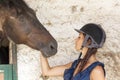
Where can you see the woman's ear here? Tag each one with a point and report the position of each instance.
(89, 41)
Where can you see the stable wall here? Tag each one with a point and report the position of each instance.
(60, 17)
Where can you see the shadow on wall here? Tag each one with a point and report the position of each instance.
(4, 55)
(4, 51)
(112, 65)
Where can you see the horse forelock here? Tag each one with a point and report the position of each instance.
(19, 5)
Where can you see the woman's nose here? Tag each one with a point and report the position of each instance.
(75, 39)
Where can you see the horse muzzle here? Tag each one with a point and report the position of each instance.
(50, 50)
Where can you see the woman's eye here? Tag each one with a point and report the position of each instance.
(78, 37)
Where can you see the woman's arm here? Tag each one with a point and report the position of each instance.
(52, 71)
(97, 74)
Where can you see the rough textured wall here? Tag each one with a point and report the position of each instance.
(60, 17)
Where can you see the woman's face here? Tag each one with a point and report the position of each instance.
(78, 41)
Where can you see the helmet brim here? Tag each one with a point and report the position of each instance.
(79, 31)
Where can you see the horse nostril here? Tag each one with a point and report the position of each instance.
(51, 47)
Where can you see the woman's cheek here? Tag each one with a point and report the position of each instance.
(77, 47)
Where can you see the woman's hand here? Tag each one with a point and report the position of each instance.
(52, 71)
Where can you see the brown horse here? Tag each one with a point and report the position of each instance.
(19, 23)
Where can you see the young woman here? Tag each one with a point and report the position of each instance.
(86, 67)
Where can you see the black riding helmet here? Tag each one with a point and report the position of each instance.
(95, 33)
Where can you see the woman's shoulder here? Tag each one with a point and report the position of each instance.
(97, 73)
(98, 69)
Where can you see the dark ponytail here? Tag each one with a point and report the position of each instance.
(89, 53)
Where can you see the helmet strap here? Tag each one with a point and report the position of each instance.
(79, 58)
(92, 44)
(85, 41)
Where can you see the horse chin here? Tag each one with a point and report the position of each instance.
(47, 54)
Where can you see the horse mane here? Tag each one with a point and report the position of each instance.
(17, 4)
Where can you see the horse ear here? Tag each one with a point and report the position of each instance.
(11, 8)
(14, 11)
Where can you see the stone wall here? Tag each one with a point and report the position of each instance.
(60, 17)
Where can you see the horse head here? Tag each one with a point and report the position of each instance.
(22, 26)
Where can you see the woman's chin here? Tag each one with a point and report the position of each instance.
(78, 50)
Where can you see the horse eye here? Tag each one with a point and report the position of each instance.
(21, 18)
